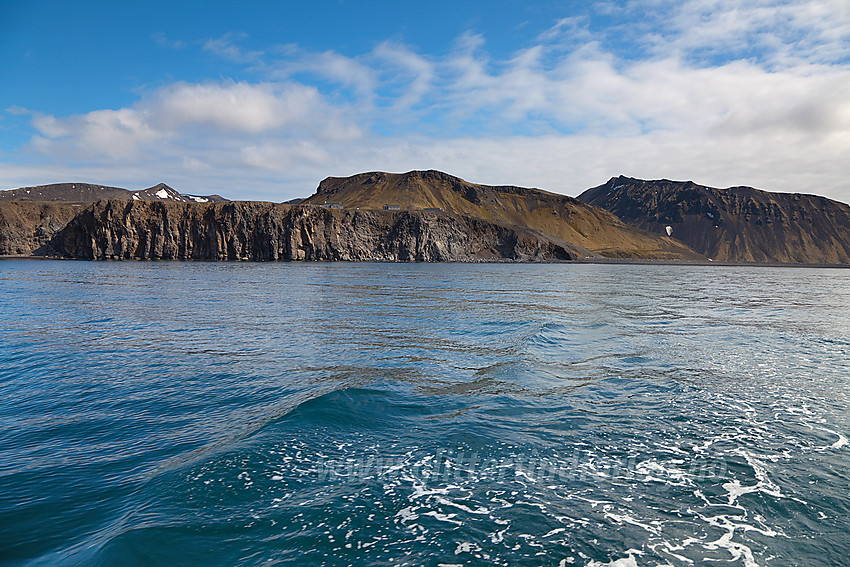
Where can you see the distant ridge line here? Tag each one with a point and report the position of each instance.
(76, 192)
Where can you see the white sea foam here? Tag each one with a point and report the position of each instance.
(467, 547)
(407, 514)
(629, 561)
(450, 518)
(842, 440)
(763, 484)
(498, 536)
(737, 550)
(481, 510)
(627, 519)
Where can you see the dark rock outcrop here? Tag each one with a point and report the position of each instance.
(266, 231)
(28, 226)
(738, 224)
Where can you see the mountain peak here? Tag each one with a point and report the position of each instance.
(557, 215)
(736, 224)
(159, 192)
(159, 186)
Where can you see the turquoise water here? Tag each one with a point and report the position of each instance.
(423, 414)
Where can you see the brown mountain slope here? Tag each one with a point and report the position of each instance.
(738, 224)
(563, 217)
(89, 193)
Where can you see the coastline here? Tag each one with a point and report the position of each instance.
(597, 261)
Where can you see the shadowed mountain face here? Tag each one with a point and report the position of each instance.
(562, 217)
(738, 224)
(88, 193)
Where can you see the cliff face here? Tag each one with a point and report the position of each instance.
(266, 231)
(560, 216)
(738, 224)
(27, 226)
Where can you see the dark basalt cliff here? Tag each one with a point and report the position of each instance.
(738, 224)
(28, 226)
(263, 231)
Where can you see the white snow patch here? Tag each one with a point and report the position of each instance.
(136, 197)
(162, 194)
(198, 199)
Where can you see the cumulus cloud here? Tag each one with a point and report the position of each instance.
(186, 115)
(109, 134)
(723, 93)
(232, 107)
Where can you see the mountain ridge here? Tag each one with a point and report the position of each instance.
(624, 218)
(75, 192)
(734, 224)
(563, 217)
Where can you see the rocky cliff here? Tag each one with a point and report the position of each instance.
(738, 224)
(263, 231)
(28, 226)
(560, 216)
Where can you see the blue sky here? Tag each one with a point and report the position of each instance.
(262, 100)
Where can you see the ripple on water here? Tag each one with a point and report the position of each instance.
(438, 414)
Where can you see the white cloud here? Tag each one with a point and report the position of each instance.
(573, 28)
(162, 40)
(282, 156)
(779, 32)
(414, 73)
(563, 114)
(184, 116)
(227, 47)
(233, 107)
(346, 71)
(111, 134)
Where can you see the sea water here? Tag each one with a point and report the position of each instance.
(227, 414)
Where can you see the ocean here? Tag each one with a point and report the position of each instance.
(193, 413)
